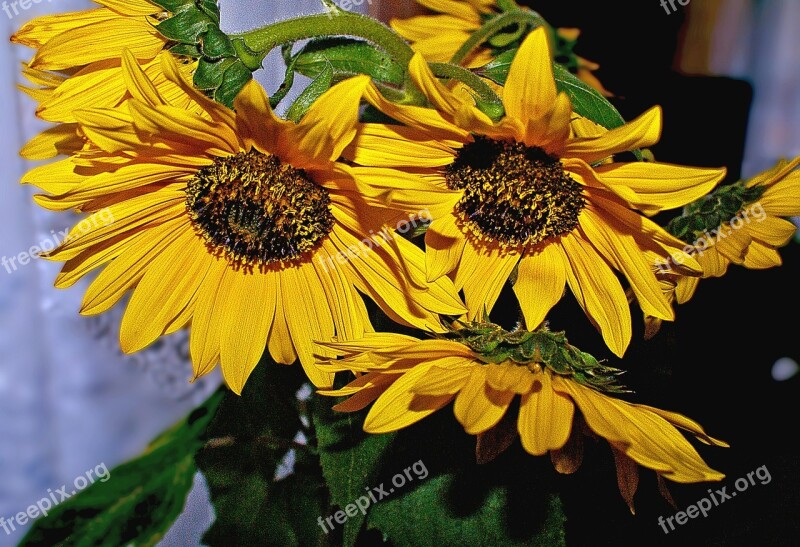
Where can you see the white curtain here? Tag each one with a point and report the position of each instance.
(69, 400)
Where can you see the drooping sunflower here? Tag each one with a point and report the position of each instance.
(754, 226)
(438, 37)
(239, 223)
(76, 65)
(485, 369)
(530, 197)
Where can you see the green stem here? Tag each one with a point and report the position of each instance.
(507, 5)
(495, 25)
(264, 39)
(488, 101)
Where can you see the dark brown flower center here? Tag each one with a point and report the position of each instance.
(254, 209)
(513, 194)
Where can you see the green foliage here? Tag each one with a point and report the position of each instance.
(246, 441)
(351, 459)
(508, 502)
(139, 501)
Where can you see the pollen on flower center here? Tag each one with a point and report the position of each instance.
(513, 194)
(254, 209)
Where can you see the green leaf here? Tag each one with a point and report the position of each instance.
(508, 502)
(586, 101)
(234, 79)
(139, 501)
(248, 438)
(347, 57)
(350, 458)
(314, 91)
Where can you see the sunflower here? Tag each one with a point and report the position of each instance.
(530, 200)
(438, 37)
(409, 379)
(240, 223)
(755, 227)
(76, 65)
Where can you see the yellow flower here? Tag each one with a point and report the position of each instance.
(438, 37)
(409, 379)
(240, 223)
(750, 237)
(528, 195)
(76, 65)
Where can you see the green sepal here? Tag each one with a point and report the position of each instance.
(173, 6)
(215, 44)
(709, 213)
(494, 345)
(347, 58)
(209, 74)
(186, 26)
(314, 91)
(234, 78)
(187, 50)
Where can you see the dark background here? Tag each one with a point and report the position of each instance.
(714, 363)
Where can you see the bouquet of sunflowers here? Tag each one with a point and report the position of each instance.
(399, 235)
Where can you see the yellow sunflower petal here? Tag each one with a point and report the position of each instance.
(329, 125)
(126, 270)
(478, 406)
(99, 41)
(659, 186)
(61, 139)
(246, 316)
(483, 285)
(530, 90)
(444, 245)
(620, 249)
(540, 283)
(639, 433)
(599, 293)
(761, 257)
(642, 132)
(400, 407)
(772, 231)
(545, 417)
(170, 280)
(207, 325)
